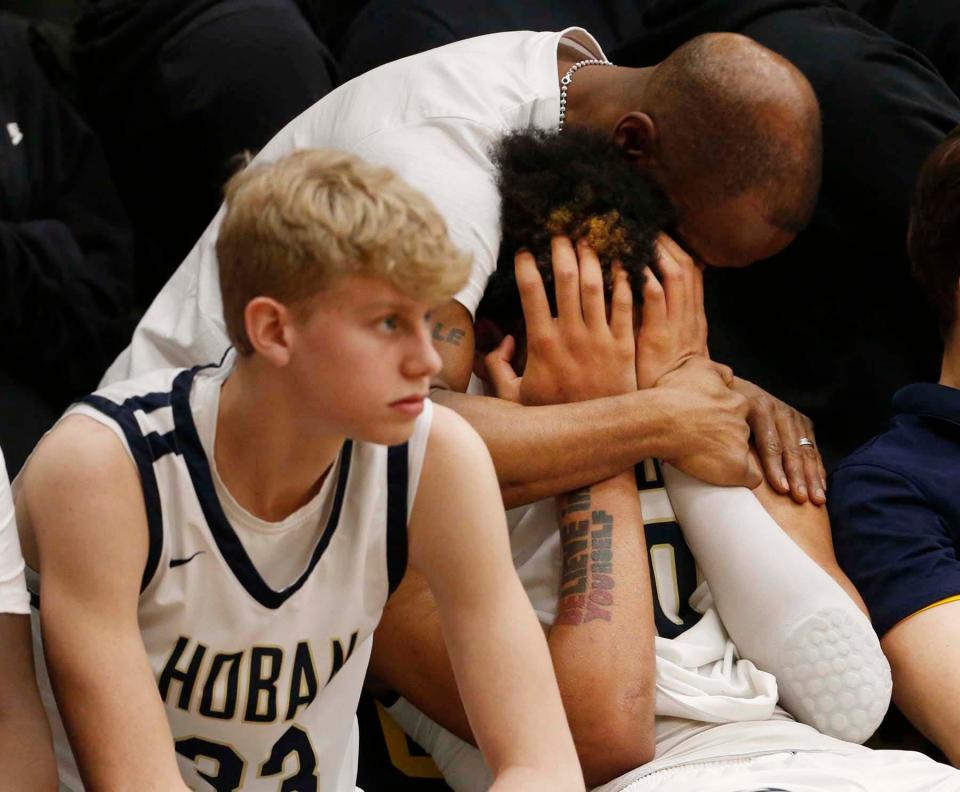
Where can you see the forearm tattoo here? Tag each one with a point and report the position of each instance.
(586, 583)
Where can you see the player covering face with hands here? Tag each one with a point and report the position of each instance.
(686, 622)
(624, 270)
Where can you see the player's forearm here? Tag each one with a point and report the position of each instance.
(116, 751)
(410, 658)
(517, 716)
(529, 730)
(602, 641)
(116, 724)
(540, 452)
(527, 779)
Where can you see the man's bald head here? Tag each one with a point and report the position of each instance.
(733, 118)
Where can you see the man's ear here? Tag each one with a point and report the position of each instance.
(269, 326)
(636, 135)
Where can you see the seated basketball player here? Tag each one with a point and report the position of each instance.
(216, 545)
(661, 671)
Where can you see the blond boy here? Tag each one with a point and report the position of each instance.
(216, 545)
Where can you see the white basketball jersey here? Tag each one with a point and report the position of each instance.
(260, 679)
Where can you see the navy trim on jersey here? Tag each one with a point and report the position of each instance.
(144, 454)
(669, 533)
(232, 550)
(397, 476)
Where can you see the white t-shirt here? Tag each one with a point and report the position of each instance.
(432, 118)
(13, 589)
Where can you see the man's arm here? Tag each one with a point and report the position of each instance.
(458, 538)
(82, 502)
(924, 654)
(26, 754)
(691, 417)
(543, 451)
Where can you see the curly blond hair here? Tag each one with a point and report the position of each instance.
(296, 226)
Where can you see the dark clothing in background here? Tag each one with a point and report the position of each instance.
(66, 267)
(177, 89)
(385, 30)
(834, 325)
(930, 26)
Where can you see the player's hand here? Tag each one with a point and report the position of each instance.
(777, 430)
(580, 354)
(708, 424)
(500, 372)
(674, 325)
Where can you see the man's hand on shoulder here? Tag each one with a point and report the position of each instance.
(778, 431)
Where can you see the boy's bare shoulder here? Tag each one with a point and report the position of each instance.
(78, 486)
(78, 460)
(78, 449)
(452, 437)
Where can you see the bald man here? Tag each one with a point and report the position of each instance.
(825, 302)
(433, 117)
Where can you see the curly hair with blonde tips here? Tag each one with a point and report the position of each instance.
(575, 183)
(295, 227)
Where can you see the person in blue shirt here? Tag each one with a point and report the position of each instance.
(895, 502)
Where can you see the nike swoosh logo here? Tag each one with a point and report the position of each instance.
(175, 562)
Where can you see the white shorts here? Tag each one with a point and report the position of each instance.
(804, 771)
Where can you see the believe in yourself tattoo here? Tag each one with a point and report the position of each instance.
(586, 583)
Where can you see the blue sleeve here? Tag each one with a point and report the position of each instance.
(893, 544)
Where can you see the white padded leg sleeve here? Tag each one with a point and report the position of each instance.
(783, 611)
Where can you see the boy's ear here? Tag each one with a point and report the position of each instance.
(269, 326)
